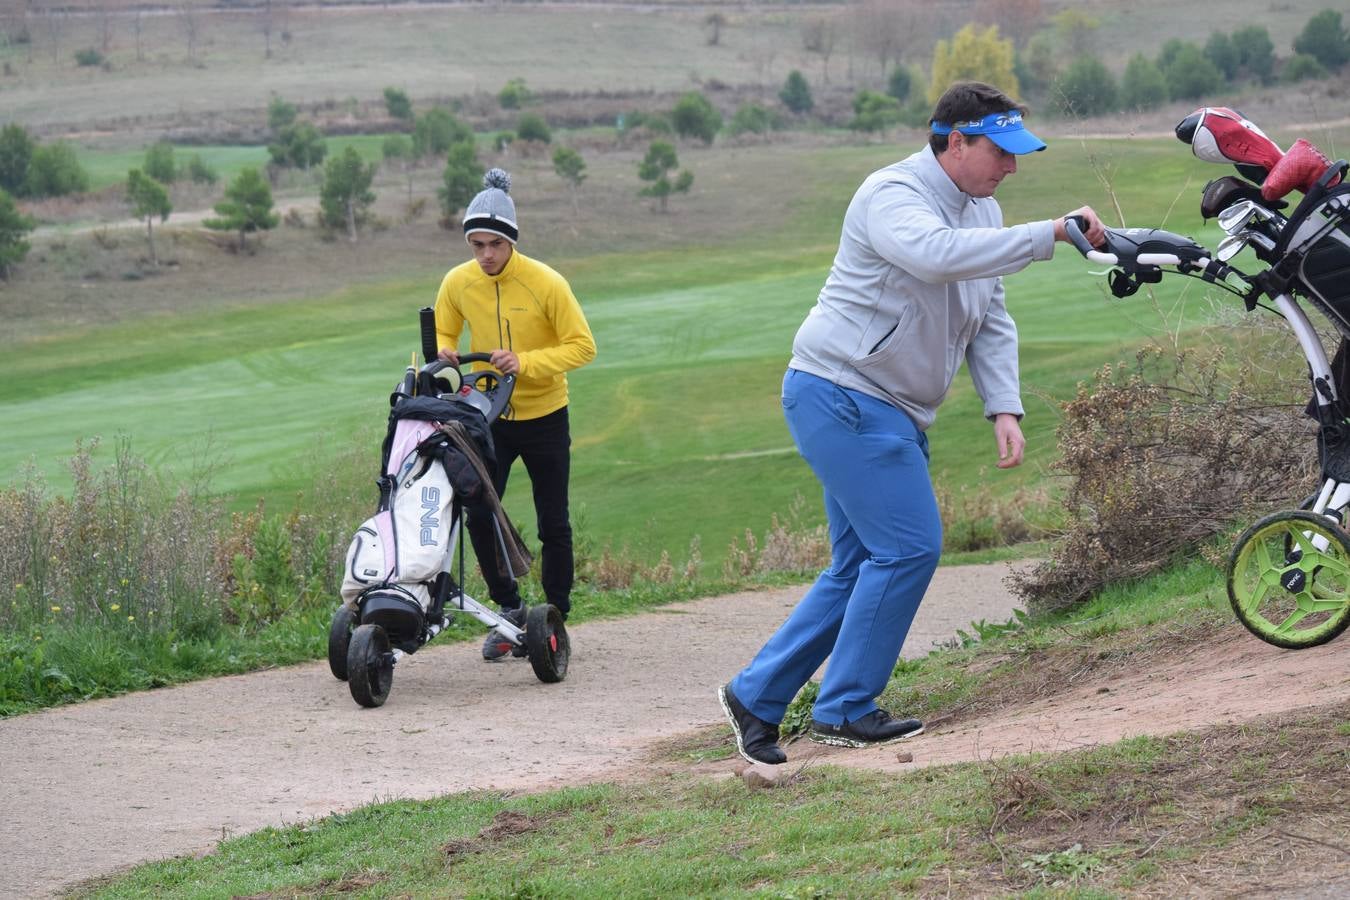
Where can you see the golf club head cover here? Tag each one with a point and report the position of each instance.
(1298, 170)
(1217, 134)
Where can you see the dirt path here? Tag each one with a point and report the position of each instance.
(116, 782)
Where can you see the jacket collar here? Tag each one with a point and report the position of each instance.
(509, 270)
(950, 198)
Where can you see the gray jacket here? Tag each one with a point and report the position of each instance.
(915, 288)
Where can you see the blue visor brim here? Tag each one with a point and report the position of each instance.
(1017, 140)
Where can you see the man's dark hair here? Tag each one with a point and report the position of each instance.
(966, 101)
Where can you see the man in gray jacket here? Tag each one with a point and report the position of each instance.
(915, 288)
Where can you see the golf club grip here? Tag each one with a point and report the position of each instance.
(1073, 227)
(427, 315)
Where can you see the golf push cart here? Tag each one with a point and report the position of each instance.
(1289, 573)
(398, 589)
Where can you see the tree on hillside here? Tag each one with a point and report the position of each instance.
(571, 168)
(299, 145)
(398, 152)
(1255, 52)
(656, 167)
(1086, 88)
(148, 199)
(55, 171)
(1325, 39)
(16, 153)
(190, 23)
(463, 178)
(345, 196)
(1142, 86)
(14, 228)
(279, 114)
(247, 207)
(514, 94)
(397, 104)
(820, 36)
(887, 30)
(1188, 72)
(436, 130)
(973, 55)
(874, 111)
(159, 163)
(900, 83)
(796, 93)
(1219, 50)
(532, 127)
(695, 116)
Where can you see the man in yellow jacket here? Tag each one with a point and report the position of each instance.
(524, 314)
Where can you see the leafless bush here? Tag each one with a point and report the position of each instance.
(1163, 454)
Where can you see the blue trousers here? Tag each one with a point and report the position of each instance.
(885, 538)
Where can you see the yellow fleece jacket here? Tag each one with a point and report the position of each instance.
(527, 308)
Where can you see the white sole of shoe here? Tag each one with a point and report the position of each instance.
(835, 741)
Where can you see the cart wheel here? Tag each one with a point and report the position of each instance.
(1289, 579)
(546, 643)
(370, 666)
(339, 636)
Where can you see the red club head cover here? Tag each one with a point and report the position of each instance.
(1217, 134)
(1296, 171)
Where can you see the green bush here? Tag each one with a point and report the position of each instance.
(159, 163)
(1086, 88)
(397, 104)
(874, 112)
(796, 93)
(695, 116)
(900, 83)
(89, 57)
(200, 172)
(532, 127)
(16, 154)
(1142, 86)
(1219, 50)
(1301, 67)
(754, 119)
(1188, 72)
(1325, 39)
(514, 94)
(1255, 52)
(54, 171)
(461, 181)
(436, 130)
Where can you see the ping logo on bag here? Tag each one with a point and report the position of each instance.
(431, 505)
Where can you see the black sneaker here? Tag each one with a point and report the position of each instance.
(496, 645)
(756, 739)
(873, 729)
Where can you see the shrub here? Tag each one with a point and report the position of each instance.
(1188, 72)
(14, 228)
(436, 131)
(88, 57)
(1219, 50)
(397, 104)
(298, 145)
(54, 171)
(16, 154)
(1255, 52)
(874, 112)
(1086, 88)
(755, 119)
(532, 127)
(796, 93)
(1143, 85)
(159, 163)
(200, 172)
(514, 94)
(695, 116)
(461, 180)
(900, 83)
(1301, 67)
(1162, 455)
(1325, 39)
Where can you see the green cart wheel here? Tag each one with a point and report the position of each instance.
(1289, 579)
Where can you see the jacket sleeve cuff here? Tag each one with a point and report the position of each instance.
(997, 405)
(1042, 239)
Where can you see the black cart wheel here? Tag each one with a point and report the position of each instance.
(546, 643)
(370, 666)
(339, 637)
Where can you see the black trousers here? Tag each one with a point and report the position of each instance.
(544, 445)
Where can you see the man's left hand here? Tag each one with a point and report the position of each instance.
(1008, 436)
(506, 362)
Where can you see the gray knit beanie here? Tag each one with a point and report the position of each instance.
(492, 210)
